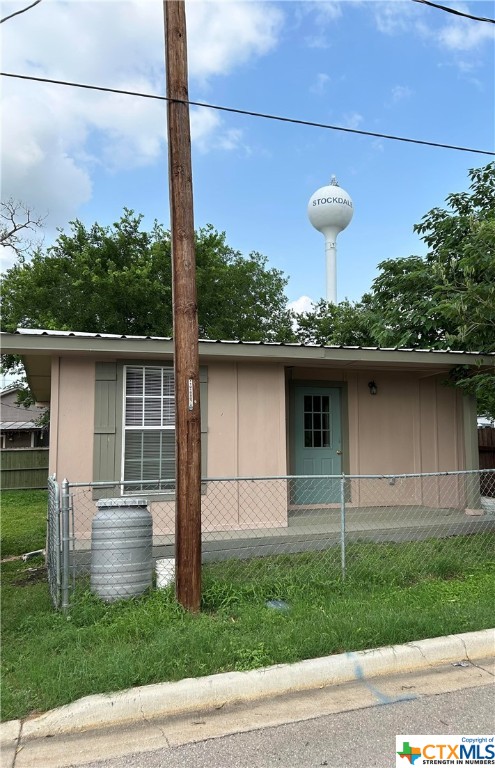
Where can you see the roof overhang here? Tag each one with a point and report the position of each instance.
(38, 348)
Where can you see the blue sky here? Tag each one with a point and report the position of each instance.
(393, 67)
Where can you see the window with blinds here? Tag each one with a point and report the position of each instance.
(149, 428)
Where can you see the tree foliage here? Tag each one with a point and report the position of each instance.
(447, 298)
(344, 323)
(443, 300)
(118, 279)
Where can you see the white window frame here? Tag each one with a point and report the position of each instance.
(153, 486)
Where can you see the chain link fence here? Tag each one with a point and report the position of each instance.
(53, 542)
(371, 528)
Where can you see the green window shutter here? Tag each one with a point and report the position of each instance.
(105, 460)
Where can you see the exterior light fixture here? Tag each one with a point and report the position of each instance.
(372, 387)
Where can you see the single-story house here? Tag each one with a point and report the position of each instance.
(268, 410)
(19, 426)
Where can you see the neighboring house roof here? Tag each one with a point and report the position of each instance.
(18, 426)
(14, 416)
(38, 346)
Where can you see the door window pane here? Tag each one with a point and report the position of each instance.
(317, 423)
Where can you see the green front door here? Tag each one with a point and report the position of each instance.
(317, 443)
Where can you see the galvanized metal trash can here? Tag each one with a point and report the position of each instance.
(121, 548)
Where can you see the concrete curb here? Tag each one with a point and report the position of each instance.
(9, 739)
(190, 695)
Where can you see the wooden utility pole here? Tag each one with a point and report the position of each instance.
(185, 312)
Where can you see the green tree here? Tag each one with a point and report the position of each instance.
(118, 280)
(344, 323)
(447, 298)
(443, 300)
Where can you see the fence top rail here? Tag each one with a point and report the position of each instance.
(351, 477)
(251, 478)
(422, 474)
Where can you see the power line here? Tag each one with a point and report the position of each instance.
(249, 113)
(17, 13)
(455, 11)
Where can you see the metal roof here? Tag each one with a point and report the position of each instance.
(18, 426)
(37, 348)
(84, 335)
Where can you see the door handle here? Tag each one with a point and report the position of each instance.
(339, 453)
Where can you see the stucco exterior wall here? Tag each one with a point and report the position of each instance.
(246, 437)
(413, 424)
(72, 418)
(246, 420)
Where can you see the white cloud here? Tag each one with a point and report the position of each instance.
(54, 137)
(40, 141)
(224, 34)
(398, 17)
(323, 13)
(392, 18)
(457, 35)
(302, 305)
(208, 134)
(320, 84)
(352, 120)
(448, 32)
(317, 41)
(378, 145)
(400, 93)
(326, 10)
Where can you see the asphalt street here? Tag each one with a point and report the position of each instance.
(363, 737)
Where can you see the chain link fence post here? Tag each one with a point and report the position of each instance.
(342, 526)
(65, 544)
(53, 540)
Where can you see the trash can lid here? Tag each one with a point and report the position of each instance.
(122, 502)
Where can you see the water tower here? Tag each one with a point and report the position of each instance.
(330, 210)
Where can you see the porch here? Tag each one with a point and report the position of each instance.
(319, 529)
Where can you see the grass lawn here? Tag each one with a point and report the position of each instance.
(23, 521)
(393, 593)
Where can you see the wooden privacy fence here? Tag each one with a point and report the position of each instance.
(24, 468)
